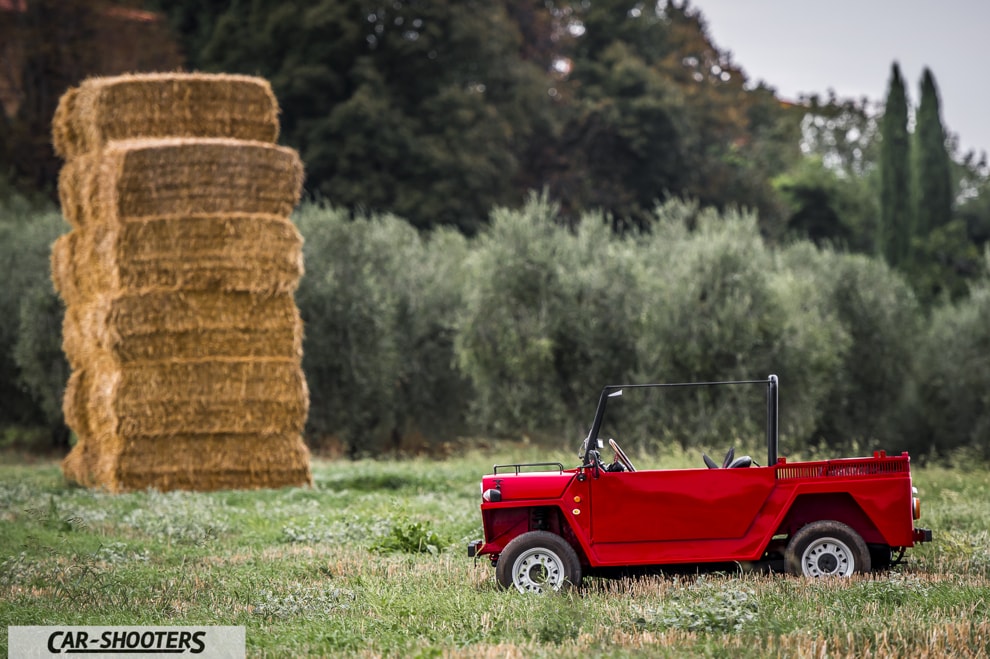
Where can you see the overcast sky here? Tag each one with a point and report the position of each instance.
(799, 46)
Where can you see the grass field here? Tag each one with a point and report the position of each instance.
(370, 561)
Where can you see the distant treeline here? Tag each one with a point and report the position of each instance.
(440, 111)
(415, 338)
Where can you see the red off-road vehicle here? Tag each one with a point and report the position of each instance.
(545, 526)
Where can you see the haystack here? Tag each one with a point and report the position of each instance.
(178, 275)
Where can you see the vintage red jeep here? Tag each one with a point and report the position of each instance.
(545, 526)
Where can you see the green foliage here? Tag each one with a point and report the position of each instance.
(952, 376)
(33, 370)
(411, 538)
(947, 262)
(547, 320)
(932, 184)
(38, 351)
(49, 45)
(973, 208)
(896, 228)
(302, 602)
(403, 108)
(378, 303)
(707, 607)
(843, 133)
(416, 339)
(513, 307)
(718, 309)
(406, 110)
(829, 207)
(659, 111)
(868, 394)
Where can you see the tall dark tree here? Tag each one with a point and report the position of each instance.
(933, 168)
(424, 109)
(946, 258)
(47, 46)
(895, 231)
(658, 110)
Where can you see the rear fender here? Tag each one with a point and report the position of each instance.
(839, 506)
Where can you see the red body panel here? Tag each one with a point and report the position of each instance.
(700, 515)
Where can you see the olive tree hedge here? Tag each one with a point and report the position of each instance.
(413, 338)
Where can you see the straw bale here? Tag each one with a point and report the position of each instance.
(142, 178)
(64, 122)
(77, 187)
(164, 325)
(63, 269)
(159, 399)
(164, 105)
(93, 459)
(87, 465)
(93, 462)
(249, 253)
(214, 462)
(75, 403)
(234, 252)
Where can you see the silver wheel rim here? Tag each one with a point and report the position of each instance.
(537, 570)
(828, 557)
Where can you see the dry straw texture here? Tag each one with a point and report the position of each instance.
(213, 462)
(197, 397)
(179, 177)
(235, 253)
(167, 324)
(101, 110)
(178, 275)
(133, 414)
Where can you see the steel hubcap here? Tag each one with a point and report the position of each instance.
(536, 570)
(828, 557)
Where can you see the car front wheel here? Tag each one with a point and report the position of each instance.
(538, 562)
(827, 548)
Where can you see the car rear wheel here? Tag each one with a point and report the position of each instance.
(538, 562)
(827, 548)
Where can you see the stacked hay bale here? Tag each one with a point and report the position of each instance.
(181, 330)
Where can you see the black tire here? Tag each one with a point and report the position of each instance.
(827, 548)
(880, 557)
(538, 561)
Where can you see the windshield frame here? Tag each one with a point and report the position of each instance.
(589, 448)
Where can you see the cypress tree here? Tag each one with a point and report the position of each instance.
(894, 232)
(933, 176)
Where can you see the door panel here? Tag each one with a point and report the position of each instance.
(687, 504)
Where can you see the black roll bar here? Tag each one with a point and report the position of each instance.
(773, 427)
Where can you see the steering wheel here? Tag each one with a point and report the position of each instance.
(621, 455)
